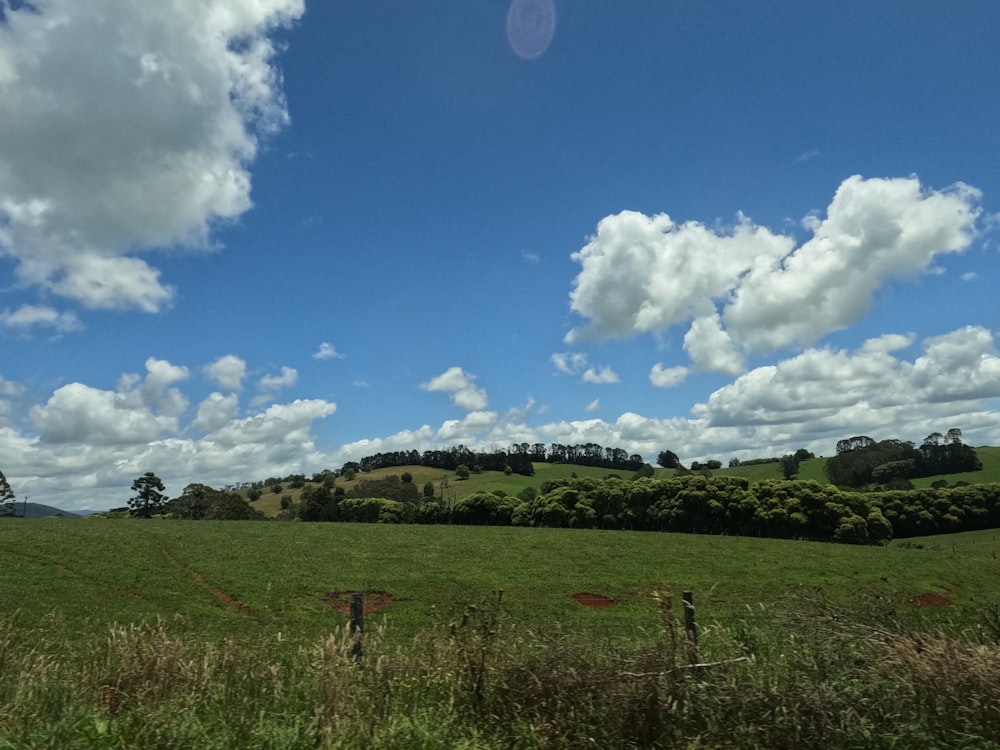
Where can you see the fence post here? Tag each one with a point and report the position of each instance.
(690, 629)
(357, 625)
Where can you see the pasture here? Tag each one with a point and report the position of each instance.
(173, 634)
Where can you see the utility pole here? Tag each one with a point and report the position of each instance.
(24, 512)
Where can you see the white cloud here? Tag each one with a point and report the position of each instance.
(875, 231)
(327, 351)
(667, 377)
(600, 376)
(215, 412)
(83, 446)
(645, 273)
(569, 363)
(28, 317)
(577, 363)
(227, 372)
(711, 348)
(593, 405)
(749, 290)
(77, 413)
(461, 388)
(148, 144)
(288, 377)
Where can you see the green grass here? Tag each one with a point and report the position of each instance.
(816, 644)
(85, 575)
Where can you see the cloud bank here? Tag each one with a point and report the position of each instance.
(83, 446)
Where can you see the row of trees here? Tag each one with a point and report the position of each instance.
(861, 461)
(517, 459)
(198, 502)
(691, 503)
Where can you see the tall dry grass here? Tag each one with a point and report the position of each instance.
(806, 674)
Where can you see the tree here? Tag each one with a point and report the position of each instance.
(149, 496)
(789, 465)
(428, 490)
(6, 497)
(462, 471)
(6, 493)
(668, 460)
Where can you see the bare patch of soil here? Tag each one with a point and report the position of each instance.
(374, 600)
(226, 598)
(929, 599)
(596, 601)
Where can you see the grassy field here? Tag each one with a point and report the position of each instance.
(85, 575)
(165, 635)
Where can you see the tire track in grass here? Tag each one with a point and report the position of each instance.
(221, 594)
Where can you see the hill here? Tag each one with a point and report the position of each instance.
(37, 510)
(493, 481)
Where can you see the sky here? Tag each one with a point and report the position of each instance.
(249, 238)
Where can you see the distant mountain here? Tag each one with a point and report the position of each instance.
(34, 510)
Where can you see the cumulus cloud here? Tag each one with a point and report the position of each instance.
(749, 290)
(215, 412)
(227, 372)
(139, 410)
(600, 376)
(327, 351)
(460, 387)
(29, 317)
(84, 445)
(288, 377)
(148, 144)
(667, 377)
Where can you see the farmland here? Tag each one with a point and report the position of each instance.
(87, 602)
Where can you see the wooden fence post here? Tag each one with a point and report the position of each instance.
(357, 625)
(690, 629)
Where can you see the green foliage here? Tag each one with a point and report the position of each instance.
(462, 471)
(6, 493)
(149, 497)
(789, 465)
(668, 460)
(200, 502)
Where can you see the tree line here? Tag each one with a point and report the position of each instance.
(861, 461)
(692, 503)
(517, 459)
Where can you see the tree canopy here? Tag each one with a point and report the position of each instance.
(149, 497)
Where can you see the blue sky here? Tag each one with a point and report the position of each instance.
(242, 238)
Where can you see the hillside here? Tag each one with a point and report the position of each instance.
(492, 481)
(37, 510)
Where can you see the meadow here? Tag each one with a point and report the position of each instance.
(171, 634)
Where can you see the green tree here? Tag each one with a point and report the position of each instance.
(462, 471)
(668, 460)
(428, 490)
(149, 497)
(6, 497)
(6, 493)
(789, 465)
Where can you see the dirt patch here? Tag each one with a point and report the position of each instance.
(930, 599)
(596, 601)
(226, 598)
(374, 600)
